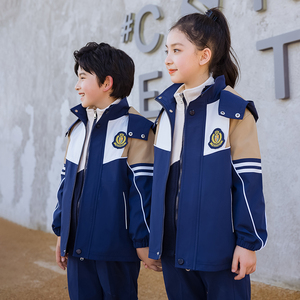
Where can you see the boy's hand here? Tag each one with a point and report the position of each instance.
(148, 262)
(60, 260)
(243, 263)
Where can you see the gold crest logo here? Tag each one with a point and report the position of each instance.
(120, 140)
(216, 139)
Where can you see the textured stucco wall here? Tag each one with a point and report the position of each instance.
(37, 90)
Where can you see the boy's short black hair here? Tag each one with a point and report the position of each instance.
(104, 60)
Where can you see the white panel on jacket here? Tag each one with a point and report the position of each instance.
(163, 140)
(216, 130)
(76, 143)
(115, 140)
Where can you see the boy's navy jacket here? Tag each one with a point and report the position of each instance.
(114, 204)
(220, 194)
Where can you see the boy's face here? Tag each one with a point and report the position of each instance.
(88, 89)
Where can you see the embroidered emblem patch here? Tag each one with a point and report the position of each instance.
(216, 139)
(120, 140)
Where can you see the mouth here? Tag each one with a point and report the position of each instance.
(81, 95)
(172, 71)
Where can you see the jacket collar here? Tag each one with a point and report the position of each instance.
(193, 93)
(231, 104)
(212, 92)
(114, 111)
(168, 102)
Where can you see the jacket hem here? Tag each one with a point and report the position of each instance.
(207, 268)
(110, 258)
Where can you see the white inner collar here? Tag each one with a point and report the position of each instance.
(192, 94)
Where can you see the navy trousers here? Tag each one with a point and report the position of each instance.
(102, 280)
(183, 284)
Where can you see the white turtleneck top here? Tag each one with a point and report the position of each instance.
(93, 115)
(189, 95)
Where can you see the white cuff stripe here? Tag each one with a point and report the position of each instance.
(143, 174)
(247, 164)
(141, 168)
(239, 171)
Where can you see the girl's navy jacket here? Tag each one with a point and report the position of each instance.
(114, 206)
(218, 181)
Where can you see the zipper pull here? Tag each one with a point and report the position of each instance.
(182, 96)
(183, 100)
(95, 119)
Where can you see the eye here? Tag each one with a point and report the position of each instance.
(166, 51)
(176, 50)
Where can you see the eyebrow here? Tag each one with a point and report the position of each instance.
(175, 44)
(81, 73)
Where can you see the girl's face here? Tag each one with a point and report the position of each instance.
(183, 60)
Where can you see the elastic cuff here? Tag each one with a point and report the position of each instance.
(56, 230)
(246, 245)
(142, 243)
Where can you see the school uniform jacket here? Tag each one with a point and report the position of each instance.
(220, 194)
(114, 206)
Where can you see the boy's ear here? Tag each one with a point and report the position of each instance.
(108, 83)
(205, 56)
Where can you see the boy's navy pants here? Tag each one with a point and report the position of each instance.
(102, 280)
(182, 284)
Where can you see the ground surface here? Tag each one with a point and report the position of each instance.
(28, 270)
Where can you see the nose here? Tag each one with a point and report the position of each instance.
(168, 60)
(77, 87)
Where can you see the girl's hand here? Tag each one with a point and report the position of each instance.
(148, 262)
(60, 260)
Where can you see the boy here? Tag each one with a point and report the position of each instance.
(102, 215)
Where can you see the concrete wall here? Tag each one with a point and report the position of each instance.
(37, 90)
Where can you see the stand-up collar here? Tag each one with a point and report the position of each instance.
(114, 111)
(212, 92)
(194, 93)
(98, 112)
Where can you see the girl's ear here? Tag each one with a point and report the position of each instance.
(108, 83)
(204, 56)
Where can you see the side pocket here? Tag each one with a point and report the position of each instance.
(125, 207)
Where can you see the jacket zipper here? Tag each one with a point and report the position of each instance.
(180, 163)
(65, 250)
(161, 243)
(85, 165)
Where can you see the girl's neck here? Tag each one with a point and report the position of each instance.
(198, 81)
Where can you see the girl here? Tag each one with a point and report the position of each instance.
(208, 212)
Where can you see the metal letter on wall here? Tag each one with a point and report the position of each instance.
(259, 5)
(192, 6)
(279, 44)
(139, 25)
(145, 95)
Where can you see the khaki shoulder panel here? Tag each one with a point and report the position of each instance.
(233, 91)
